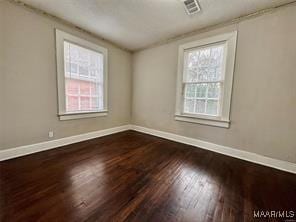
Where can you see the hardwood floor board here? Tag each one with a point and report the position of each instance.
(132, 176)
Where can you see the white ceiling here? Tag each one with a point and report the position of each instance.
(135, 24)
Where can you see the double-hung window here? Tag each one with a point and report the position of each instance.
(205, 80)
(82, 77)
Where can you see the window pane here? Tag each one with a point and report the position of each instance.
(100, 89)
(85, 103)
(191, 75)
(204, 70)
(83, 78)
(85, 88)
(189, 105)
(94, 103)
(205, 64)
(93, 72)
(212, 107)
(213, 90)
(200, 106)
(201, 90)
(190, 90)
(67, 67)
(83, 70)
(72, 103)
(72, 87)
(73, 68)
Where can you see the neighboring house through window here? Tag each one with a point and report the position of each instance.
(82, 77)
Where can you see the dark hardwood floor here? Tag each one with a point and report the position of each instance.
(131, 176)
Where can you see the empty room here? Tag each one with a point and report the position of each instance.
(147, 110)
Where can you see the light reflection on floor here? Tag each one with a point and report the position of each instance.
(87, 179)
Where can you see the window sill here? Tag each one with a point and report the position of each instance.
(69, 116)
(204, 121)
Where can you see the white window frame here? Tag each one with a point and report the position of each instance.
(60, 38)
(223, 119)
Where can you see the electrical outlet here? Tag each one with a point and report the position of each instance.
(50, 134)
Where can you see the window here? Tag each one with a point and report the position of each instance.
(205, 76)
(82, 77)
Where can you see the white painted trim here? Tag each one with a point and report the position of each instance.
(38, 147)
(229, 42)
(203, 121)
(236, 153)
(68, 116)
(61, 37)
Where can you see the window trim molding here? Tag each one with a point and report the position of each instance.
(223, 120)
(80, 115)
(62, 36)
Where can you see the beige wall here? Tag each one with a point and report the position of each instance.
(1, 75)
(264, 93)
(29, 55)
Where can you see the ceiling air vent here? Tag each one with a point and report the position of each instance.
(191, 6)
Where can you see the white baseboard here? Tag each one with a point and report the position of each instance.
(240, 154)
(38, 147)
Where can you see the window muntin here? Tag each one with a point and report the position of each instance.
(203, 79)
(84, 79)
